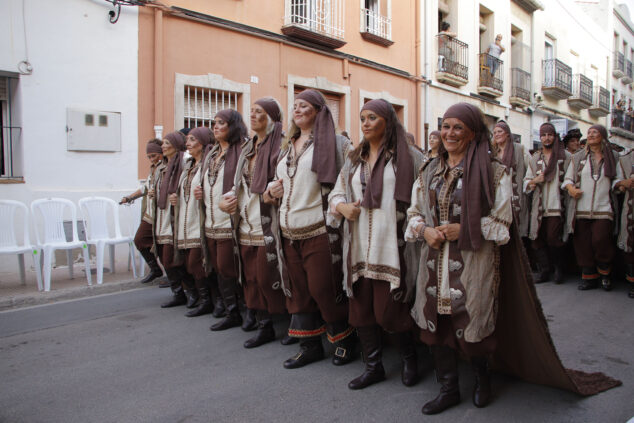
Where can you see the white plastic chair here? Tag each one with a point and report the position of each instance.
(52, 211)
(95, 211)
(8, 239)
(132, 216)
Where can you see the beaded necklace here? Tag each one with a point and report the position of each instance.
(291, 162)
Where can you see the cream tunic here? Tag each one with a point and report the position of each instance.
(217, 222)
(595, 202)
(188, 233)
(301, 209)
(374, 244)
(551, 198)
(249, 207)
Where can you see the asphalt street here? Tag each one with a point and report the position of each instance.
(120, 358)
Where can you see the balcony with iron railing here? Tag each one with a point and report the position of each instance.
(453, 61)
(627, 78)
(601, 104)
(491, 80)
(376, 28)
(557, 79)
(581, 97)
(622, 123)
(520, 88)
(318, 21)
(618, 65)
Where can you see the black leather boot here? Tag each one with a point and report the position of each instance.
(629, 276)
(407, 351)
(178, 296)
(216, 299)
(543, 273)
(606, 282)
(265, 333)
(190, 289)
(250, 323)
(482, 390)
(557, 254)
(447, 375)
(229, 296)
(589, 279)
(370, 337)
(344, 347)
(155, 269)
(205, 306)
(310, 350)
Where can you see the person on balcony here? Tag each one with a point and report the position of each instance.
(143, 240)
(572, 140)
(544, 176)
(371, 197)
(310, 257)
(494, 51)
(445, 51)
(593, 208)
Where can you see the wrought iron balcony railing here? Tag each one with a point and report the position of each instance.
(520, 84)
(491, 73)
(557, 80)
(453, 56)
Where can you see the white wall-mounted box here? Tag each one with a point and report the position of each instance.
(93, 130)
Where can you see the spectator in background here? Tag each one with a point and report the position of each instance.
(495, 50)
(572, 140)
(445, 52)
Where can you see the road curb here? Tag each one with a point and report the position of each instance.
(39, 298)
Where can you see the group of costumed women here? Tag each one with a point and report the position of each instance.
(363, 243)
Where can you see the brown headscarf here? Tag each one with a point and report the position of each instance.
(269, 149)
(559, 151)
(203, 135)
(477, 186)
(237, 134)
(153, 147)
(609, 165)
(509, 150)
(169, 184)
(395, 137)
(324, 139)
(435, 134)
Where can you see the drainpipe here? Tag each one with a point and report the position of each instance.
(533, 72)
(428, 70)
(158, 73)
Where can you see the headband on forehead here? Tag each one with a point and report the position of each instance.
(271, 108)
(177, 139)
(202, 134)
(434, 134)
(602, 131)
(504, 126)
(547, 128)
(226, 114)
(380, 107)
(313, 97)
(153, 147)
(469, 114)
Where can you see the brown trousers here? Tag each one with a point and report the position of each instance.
(373, 304)
(550, 233)
(194, 263)
(313, 279)
(262, 288)
(594, 243)
(166, 255)
(223, 258)
(446, 335)
(143, 238)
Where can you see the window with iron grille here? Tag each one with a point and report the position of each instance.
(202, 104)
(10, 136)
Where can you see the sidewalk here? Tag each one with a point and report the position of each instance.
(14, 295)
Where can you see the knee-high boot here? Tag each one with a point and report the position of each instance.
(205, 306)
(190, 288)
(250, 322)
(265, 333)
(543, 273)
(178, 296)
(216, 298)
(407, 351)
(370, 337)
(447, 374)
(557, 254)
(229, 295)
(155, 269)
(482, 389)
(310, 350)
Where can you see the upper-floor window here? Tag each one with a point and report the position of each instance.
(11, 134)
(319, 21)
(376, 22)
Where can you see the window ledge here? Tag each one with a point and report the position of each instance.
(4, 180)
(377, 39)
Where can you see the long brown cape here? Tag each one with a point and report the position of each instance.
(525, 348)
